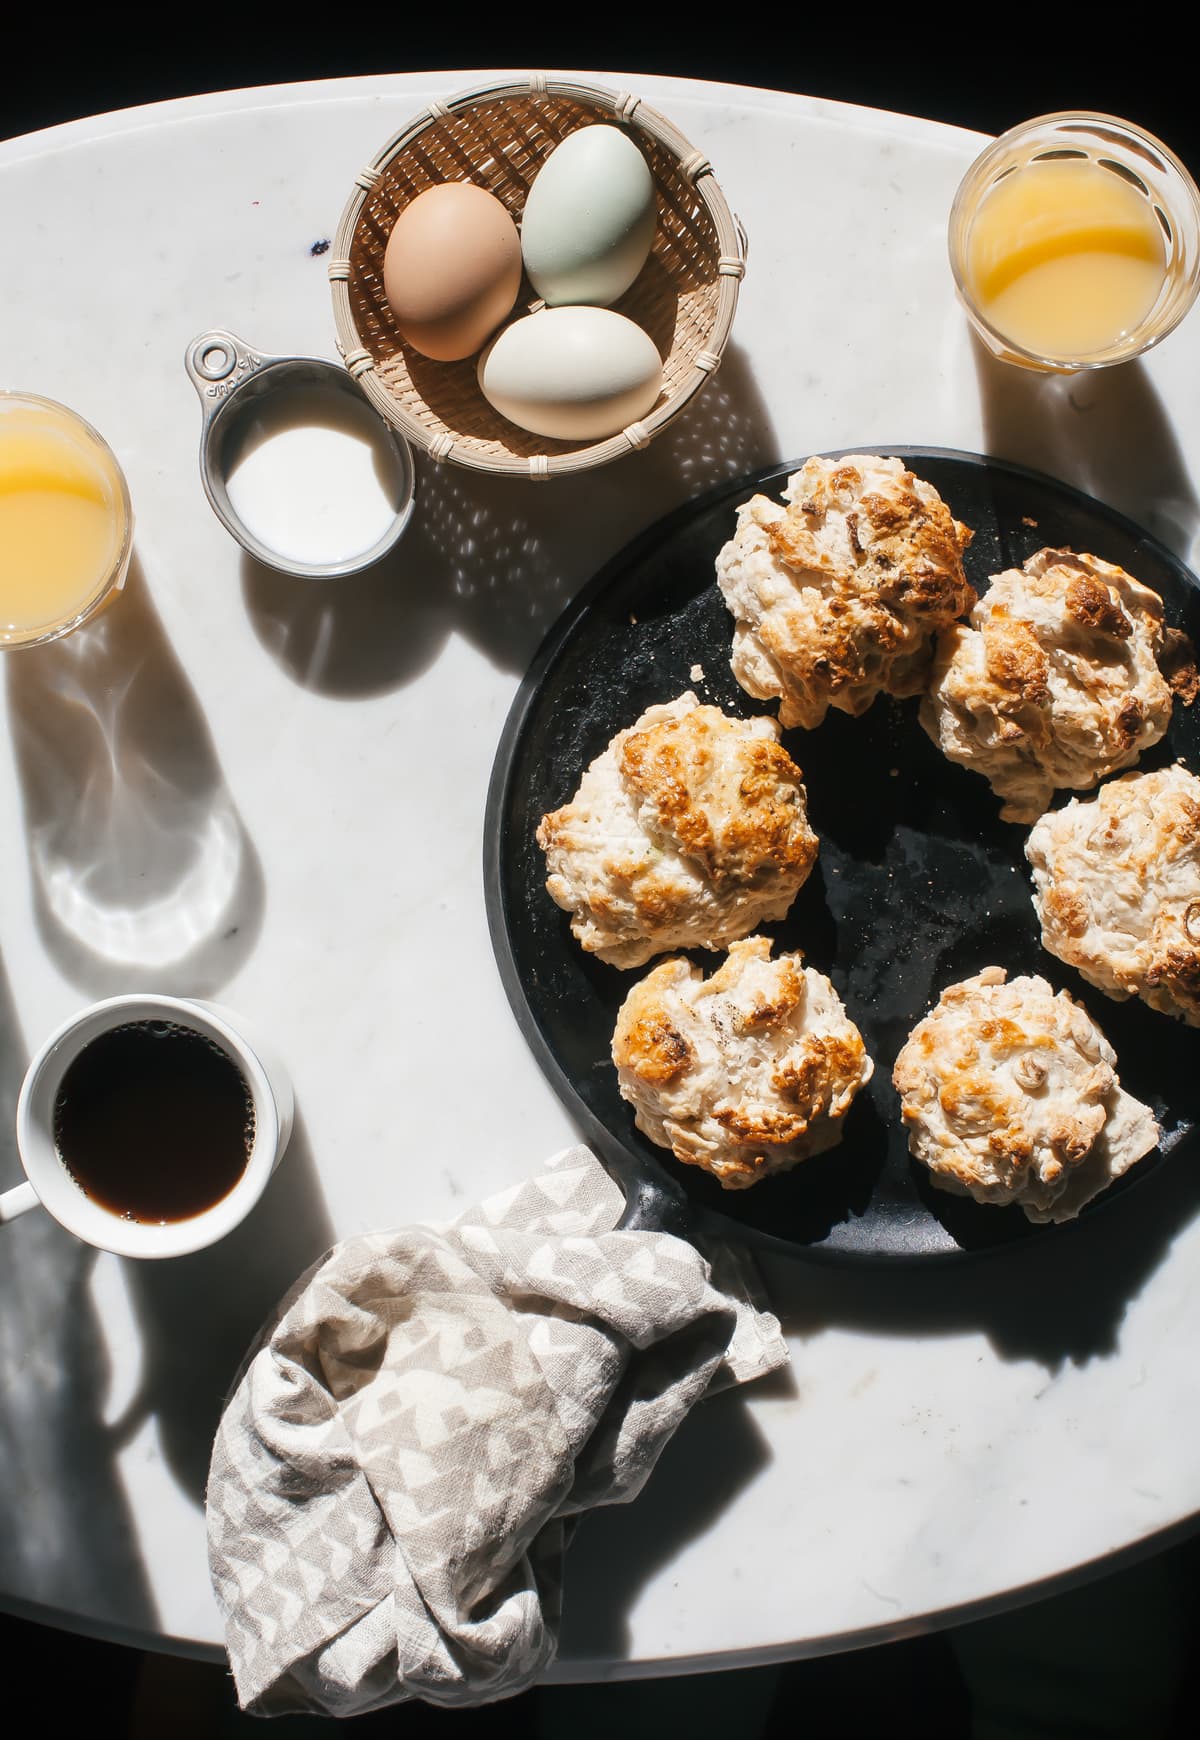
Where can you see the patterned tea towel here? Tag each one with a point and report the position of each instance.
(394, 1478)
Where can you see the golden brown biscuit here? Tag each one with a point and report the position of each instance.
(745, 1073)
(688, 831)
(1118, 888)
(1010, 1094)
(836, 597)
(1054, 683)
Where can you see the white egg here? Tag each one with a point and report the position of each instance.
(577, 374)
(589, 218)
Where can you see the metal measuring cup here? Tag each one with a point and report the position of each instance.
(230, 377)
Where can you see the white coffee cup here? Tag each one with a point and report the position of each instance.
(51, 1184)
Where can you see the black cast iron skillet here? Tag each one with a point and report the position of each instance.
(918, 883)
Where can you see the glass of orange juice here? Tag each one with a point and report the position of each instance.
(1075, 242)
(66, 525)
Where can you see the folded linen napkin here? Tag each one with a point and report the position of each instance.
(395, 1476)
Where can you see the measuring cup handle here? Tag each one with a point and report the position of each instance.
(216, 362)
(18, 1201)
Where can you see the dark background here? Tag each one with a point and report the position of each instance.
(1117, 1657)
(973, 68)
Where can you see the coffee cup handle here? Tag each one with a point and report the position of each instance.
(18, 1201)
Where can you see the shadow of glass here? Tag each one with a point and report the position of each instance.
(67, 1540)
(615, 1552)
(143, 874)
(199, 1315)
(1059, 1297)
(497, 559)
(1104, 430)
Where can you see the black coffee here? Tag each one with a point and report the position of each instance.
(154, 1121)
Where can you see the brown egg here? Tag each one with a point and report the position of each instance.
(452, 269)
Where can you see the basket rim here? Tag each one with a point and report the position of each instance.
(631, 111)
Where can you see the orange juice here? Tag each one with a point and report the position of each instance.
(65, 521)
(1065, 258)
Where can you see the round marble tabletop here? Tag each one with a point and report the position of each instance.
(238, 784)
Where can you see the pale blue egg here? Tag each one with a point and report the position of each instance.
(589, 218)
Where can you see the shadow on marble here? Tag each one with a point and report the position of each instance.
(66, 1535)
(143, 874)
(497, 559)
(614, 1554)
(1104, 430)
(199, 1315)
(14, 1058)
(1057, 1298)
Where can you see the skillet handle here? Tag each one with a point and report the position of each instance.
(654, 1205)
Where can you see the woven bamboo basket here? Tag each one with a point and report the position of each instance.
(498, 136)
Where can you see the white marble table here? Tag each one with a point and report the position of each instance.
(232, 784)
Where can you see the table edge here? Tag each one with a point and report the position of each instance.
(245, 99)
